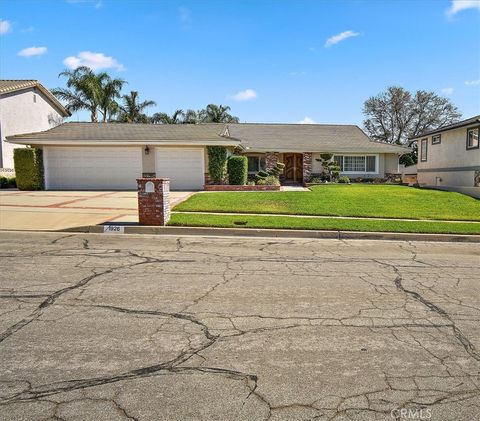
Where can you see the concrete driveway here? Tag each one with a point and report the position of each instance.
(55, 210)
(98, 327)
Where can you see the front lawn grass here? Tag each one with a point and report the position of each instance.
(291, 222)
(376, 201)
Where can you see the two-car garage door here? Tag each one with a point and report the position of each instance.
(117, 168)
(92, 168)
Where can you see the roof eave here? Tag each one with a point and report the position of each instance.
(445, 129)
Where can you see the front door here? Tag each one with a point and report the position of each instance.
(293, 167)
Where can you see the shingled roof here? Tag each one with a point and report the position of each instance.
(250, 137)
(13, 85)
(126, 133)
(308, 138)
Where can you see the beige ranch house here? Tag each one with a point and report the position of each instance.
(449, 157)
(108, 156)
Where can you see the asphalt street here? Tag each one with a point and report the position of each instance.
(117, 327)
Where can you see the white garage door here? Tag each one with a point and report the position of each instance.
(183, 166)
(92, 168)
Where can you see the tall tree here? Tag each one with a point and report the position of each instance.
(83, 91)
(216, 114)
(109, 93)
(163, 118)
(190, 117)
(396, 114)
(132, 111)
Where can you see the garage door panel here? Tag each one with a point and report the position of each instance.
(183, 166)
(95, 168)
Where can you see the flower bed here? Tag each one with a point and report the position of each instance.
(228, 187)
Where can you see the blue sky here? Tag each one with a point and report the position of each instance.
(271, 61)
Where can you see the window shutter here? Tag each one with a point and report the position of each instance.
(339, 161)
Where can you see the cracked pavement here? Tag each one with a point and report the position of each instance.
(98, 327)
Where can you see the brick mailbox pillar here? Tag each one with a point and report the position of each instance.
(153, 201)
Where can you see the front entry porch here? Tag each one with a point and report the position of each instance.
(293, 172)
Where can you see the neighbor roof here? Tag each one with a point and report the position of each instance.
(308, 138)
(463, 123)
(251, 137)
(126, 133)
(14, 85)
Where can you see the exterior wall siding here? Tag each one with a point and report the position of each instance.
(21, 113)
(449, 163)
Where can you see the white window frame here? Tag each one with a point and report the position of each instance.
(377, 162)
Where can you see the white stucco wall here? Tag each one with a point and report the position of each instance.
(25, 111)
(449, 163)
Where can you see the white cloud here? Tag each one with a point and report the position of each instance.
(335, 39)
(96, 61)
(96, 3)
(447, 91)
(307, 120)
(32, 51)
(5, 26)
(459, 5)
(472, 82)
(245, 95)
(185, 16)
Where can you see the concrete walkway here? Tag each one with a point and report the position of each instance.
(55, 210)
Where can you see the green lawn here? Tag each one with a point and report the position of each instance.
(290, 222)
(380, 201)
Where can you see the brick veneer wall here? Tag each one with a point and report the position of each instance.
(154, 207)
(271, 159)
(307, 166)
(228, 187)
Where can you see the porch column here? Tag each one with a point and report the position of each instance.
(307, 166)
(271, 159)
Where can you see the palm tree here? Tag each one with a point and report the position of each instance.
(89, 91)
(110, 91)
(82, 92)
(163, 118)
(131, 111)
(190, 117)
(217, 114)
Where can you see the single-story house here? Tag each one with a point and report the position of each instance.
(112, 155)
(449, 157)
(25, 106)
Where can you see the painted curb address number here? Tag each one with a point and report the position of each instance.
(114, 229)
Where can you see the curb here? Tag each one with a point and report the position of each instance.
(275, 233)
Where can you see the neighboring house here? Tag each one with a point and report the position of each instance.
(26, 106)
(112, 155)
(449, 157)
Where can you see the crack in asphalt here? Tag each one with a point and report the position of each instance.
(367, 402)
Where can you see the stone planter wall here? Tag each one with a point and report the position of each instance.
(227, 187)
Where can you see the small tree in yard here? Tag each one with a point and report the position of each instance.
(330, 169)
(217, 163)
(273, 173)
(237, 167)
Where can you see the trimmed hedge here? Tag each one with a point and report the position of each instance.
(28, 168)
(7, 182)
(237, 167)
(217, 163)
